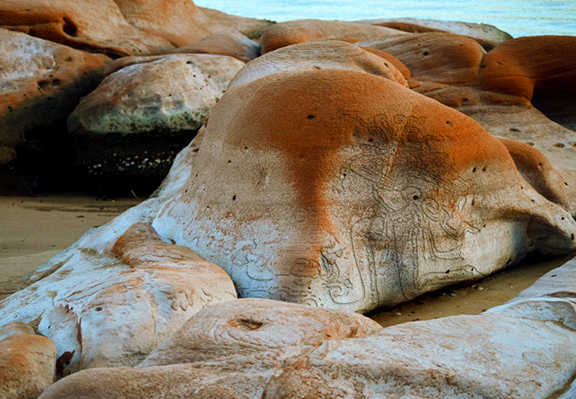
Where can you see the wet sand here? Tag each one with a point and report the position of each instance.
(32, 230)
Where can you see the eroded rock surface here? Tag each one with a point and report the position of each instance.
(312, 30)
(121, 28)
(146, 111)
(253, 348)
(353, 198)
(224, 43)
(486, 35)
(435, 57)
(141, 292)
(524, 90)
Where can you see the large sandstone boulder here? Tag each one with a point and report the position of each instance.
(182, 22)
(86, 25)
(344, 189)
(40, 84)
(312, 30)
(145, 112)
(521, 65)
(486, 35)
(27, 362)
(253, 348)
(325, 55)
(435, 57)
(120, 28)
(338, 188)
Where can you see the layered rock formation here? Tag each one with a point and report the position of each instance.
(322, 177)
(486, 35)
(311, 30)
(253, 348)
(120, 28)
(497, 88)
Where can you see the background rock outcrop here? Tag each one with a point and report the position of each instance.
(311, 30)
(121, 28)
(487, 36)
(40, 84)
(143, 114)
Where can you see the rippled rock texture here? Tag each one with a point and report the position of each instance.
(254, 348)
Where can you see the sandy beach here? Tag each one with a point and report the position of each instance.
(34, 229)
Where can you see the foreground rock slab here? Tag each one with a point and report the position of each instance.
(253, 348)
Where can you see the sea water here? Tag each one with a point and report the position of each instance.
(517, 17)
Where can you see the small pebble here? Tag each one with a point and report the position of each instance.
(452, 294)
(398, 314)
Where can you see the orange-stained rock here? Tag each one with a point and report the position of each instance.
(312, 30)
(85, 25)
(343, 189)
(140, 245)
(27, 366)
(548, 125)
(15, 327)
(120, 28)
(224, 43)
(389, 57)
(555, 184)
(324, 55)
(487, 36)
(181, 22)
(524, 64)
(437, 57)
(40, 84)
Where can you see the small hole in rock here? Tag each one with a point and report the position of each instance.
(484, 169)
(474, 170)
(415, 197)
(449, 123)
(559, 145)
(69, 27)
(234, 198)
(98, 308)
(311, 117)
(425, 53)
(250, 324)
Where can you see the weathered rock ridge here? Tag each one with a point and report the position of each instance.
(254, 348)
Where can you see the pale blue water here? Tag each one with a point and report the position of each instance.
(517, 17)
